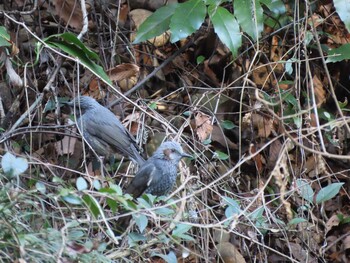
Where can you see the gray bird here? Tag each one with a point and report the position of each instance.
(157, 176)
(103, 131)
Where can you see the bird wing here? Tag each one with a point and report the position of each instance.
(111, 131)
(142, 180)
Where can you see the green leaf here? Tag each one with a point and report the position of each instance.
(40, 187)
(226, 27)
(70, 44)
(72, 199)
(81, 184)
(12, 165)
(342, 105)
(200, 59)
(156, 24)
(343, 9)
(152, 105)
(97, 185)
(233, 207)
(275, 6)
(207, 141)
(164, 211)
(328, 192)
(93, 205)
(249, 14)
(188, 17)
(221, 156)
(134, 238)
(339, 54)
(228, 125)
(113, 205)
(181, 229)
(4, 37)
(141, 221)
(170, 258)
(305, 189)
(297, 220)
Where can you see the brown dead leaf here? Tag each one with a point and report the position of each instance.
(320, 92)
(332, 222)
(261, 76)
(218, 136)
(125, 74)
(70, 12)
(346, 242)
(228, 253)
(257, 159)
(274, 153)
(66, 145)
(132, 121)
(264, 125)
(276, 53)
(298, 252)
(123, 71)
(203, 126)
(210, 73)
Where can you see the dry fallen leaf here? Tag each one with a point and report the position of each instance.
(228, 253)
(264, 125)
(70, 12)
(203, 126)
(320, 93)
(125, 74)
(66, 145)
(333, 221)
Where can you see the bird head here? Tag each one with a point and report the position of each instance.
(171, 151)
(84, 103)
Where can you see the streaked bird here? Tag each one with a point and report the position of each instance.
(157, 176)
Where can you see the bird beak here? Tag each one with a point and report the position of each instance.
(186, 155)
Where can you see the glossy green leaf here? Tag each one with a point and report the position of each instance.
(200, 59)
(221, 156)
(305, 190)
(72, 199)
(70, 44)
(343, 9)
(297, 220)
(97, 185)
(12, 165)
(40, 187)
(249, 14)
(155, 24)
(164, 211)
(275, 6)
(188, 17)
(181, 229)
(134, 238)
(228, 125)
(170, 258)
(4, 37)
(141, 221)
(81, 184)
(226, 27)
(93, 205)
(233, 207)
(328, 192)
(339, 54)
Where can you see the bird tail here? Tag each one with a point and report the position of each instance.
(137, 157)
